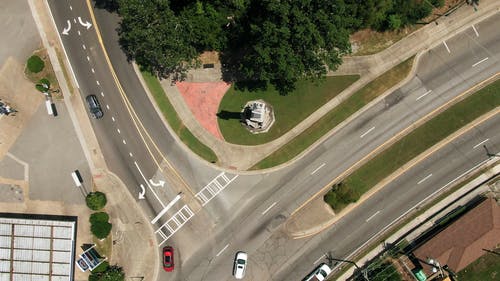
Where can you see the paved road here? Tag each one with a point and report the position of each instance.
(444, 73)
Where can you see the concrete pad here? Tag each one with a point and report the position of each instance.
(309, 220)
(22, 96)
(10, 168)
(11, 193)
(203, 100)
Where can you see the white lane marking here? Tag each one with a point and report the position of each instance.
(317, 169)
(107, 106)
(377, 235)
(93, 71)
(320, 258)
(425, 94)
(79, 33)
(130, 154)
(475, 146)
(372, 216)
(98, 84)
(269, 208)
(220, 252)
(475, 31)
(145, 180)
(74, 20)
(367, 132)
(169, 205)
(447, 49)
(113, 118)
(124, 142)
(118, 130)
(483, 60)
(88, 58)
(102, 94)
(424, 179)
(70, 7)
(84, 47)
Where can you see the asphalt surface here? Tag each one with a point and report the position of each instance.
(234, 218)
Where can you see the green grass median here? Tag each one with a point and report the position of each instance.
(416, 142)
(340, 113)
(174, 121)
(289, 110)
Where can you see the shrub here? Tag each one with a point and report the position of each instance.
(102, 267)
(340, 196)
(35, 64)
(99, 217)
(96, 200)
(100, 229)
(112, 273)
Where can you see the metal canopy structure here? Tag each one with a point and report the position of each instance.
(36, 248)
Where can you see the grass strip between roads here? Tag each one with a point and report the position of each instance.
(416, 142)
(289, 110)
(174, 121)
(340, 113)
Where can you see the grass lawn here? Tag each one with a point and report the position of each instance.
(47, 72)
(359, 99)
(174, 121)
(289, 110)
(422, 138)
(487, 267)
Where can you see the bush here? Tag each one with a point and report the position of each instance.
(99, 225)
(102, 267)
(99, 217)
(35, 64)
(101, 230)
(112, 273)
(340, 196)
(96, 200)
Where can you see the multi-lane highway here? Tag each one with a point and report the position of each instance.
(139, 148)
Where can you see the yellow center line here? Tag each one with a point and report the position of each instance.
(135, 119)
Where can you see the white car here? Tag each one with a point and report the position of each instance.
(240, 265)
(319, 274)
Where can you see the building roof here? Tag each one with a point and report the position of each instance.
(464, 240)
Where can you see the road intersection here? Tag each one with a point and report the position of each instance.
(227, 208)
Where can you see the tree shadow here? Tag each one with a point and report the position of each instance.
(226, 115)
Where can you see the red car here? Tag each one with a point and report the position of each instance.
(168, 258)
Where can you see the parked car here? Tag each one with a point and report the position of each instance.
(94, 107)
(240, 265)
(168, 258)
(319, 274)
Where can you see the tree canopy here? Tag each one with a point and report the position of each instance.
(275, 41)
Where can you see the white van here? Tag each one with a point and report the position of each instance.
(319, 274)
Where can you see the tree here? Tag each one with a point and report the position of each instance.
(35, 64)
(394, 22)
(155, 37)
(96, 200)
(43, 85)
(99, 225)
(112, 273)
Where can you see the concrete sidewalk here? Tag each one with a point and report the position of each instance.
(241, 157)
(134, 241)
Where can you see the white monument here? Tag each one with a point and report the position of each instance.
(257, 116)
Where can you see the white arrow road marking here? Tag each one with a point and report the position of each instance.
(143, 191)
(85, 24)
(160, 183)
(67, 29)
(144, 178)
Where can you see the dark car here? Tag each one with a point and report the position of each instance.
(168, 258)
(94, 107)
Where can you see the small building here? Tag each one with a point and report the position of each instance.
(464, 241)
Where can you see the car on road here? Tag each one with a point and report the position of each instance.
(240, 265)
(319, 274)
(94, 107)
(168, 258)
